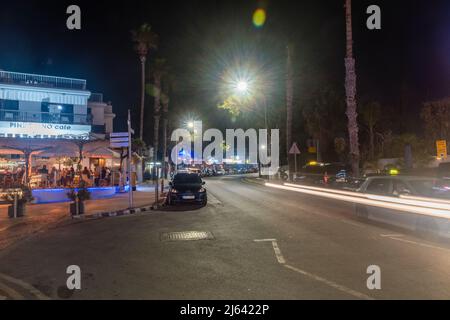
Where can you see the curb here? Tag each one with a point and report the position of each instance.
(119, 213)
(255, 181)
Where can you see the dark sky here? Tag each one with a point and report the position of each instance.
(410, 56)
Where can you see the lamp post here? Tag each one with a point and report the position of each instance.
(242, 87)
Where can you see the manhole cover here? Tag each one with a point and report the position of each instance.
(186, 235)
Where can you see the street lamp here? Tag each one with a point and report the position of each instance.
(242, 86)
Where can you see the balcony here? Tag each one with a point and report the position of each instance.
(45, 117)
(34, 80)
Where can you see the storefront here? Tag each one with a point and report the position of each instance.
(55, 164)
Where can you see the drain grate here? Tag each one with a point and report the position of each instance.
(186, 236)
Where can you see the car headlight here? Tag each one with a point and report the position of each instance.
(202, 190)
(174, 191)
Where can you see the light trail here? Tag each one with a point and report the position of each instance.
(404, 205)
(415, 201)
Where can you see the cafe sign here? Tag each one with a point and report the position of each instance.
(42, 130)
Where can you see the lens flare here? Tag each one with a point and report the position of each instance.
(259, 17)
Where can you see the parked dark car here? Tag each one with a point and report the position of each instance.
(187, 188)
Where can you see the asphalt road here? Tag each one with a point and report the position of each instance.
(306, 248)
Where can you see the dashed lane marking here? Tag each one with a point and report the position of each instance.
(276, 249)
(329, 283)
(25, 286)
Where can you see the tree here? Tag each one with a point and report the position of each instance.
(323, 112)
(371, 115)
(436, 117)
(145, 39)
(137, 146)
(158, 71)
(350, 89)
(289, 98)
(167, 86)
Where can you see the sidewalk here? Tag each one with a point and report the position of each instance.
(40, 217)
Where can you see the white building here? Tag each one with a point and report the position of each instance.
(44, 114)
(39, 106)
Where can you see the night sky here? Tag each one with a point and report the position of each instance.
(408, 59)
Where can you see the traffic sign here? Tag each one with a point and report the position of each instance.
(118, 134)
(119, 139)
(294, 149)
(441, 149)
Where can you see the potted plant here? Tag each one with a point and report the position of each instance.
(18, 198)
(78, 196)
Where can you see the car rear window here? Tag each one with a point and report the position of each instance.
(187, 178)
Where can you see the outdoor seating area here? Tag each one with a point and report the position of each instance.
(51, 168)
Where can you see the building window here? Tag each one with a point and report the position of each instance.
(9, 104)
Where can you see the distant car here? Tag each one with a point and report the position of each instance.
(443, 170)
(186, 188)
(313, 173)
(397, 186)
(220, 172)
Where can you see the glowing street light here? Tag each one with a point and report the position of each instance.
(242, 86)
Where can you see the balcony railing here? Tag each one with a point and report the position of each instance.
(45, 117)
(96, 97)
(35, 80)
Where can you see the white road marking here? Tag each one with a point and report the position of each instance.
(278, 254)
(11, 292)
(391, 235)
(330, 283)
(277, 250)
(420, 244)
(25, 286)
(212, 199)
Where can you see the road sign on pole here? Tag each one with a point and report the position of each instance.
(119, 140)
(295, 151)
(441, 148)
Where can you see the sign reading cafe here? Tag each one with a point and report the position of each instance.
(41, 130)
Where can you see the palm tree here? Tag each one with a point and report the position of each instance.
(370, 116)
(350, 89)
(158, 71)
(145, 39)
(289, 99)
(167, 85)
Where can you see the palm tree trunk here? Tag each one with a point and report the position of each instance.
(155, 141)
(372, 143)
(165, 122)
(157, 108)
(289, 101)
(141, 124)
(350, 89)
